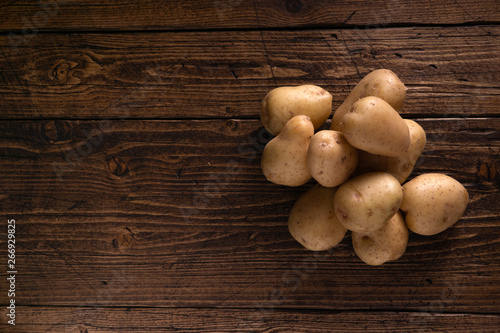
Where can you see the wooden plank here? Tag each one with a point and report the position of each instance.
(178, 214)
(449, 71)
(139, 260)
(44, 156)
(81, 319)
(95, 15)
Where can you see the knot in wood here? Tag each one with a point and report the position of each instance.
(61, 71)
(117, 166)
(123, 241)
(80, 329)
(293, 6)
(232, 124)
(56, 131)
(488, 171)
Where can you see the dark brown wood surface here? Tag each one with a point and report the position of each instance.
(71, 319)
(95, 15)
(449, 71)
(130, 150)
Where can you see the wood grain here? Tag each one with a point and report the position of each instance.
(92, 15)
(449, 71)
(130, 158)
(82, 319)
(178, 214)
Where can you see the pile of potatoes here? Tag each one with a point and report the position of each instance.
(360, 164)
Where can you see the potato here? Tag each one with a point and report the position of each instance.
(331, 159)
(433, 202)
(284, 159)
(381, 83)
(283, 103)
(374, 126)
(400, 166)
(365, 203)
(312, 221)
(384, 244)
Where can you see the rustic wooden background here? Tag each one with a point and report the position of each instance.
(130, 148)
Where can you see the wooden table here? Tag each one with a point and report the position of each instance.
(130, 160)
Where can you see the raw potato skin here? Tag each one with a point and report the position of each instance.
(381, 83)
(400, 166)
(433, 202)
(382, 245)
(283, 103)
(312, 221)
(365, 203)
(284, 159)
(374, 126)
(331, 159)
